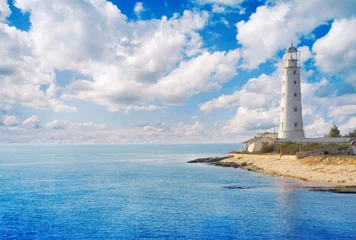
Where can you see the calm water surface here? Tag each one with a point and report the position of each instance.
(148, 191)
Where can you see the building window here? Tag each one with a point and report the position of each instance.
(294, 71)
(283, 95)
(295, 124)
(284, 82)
(282, 125)
(295, 94)
(295, 109)
(295, 82)
(282, 109)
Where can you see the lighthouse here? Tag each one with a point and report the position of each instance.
(291, 122)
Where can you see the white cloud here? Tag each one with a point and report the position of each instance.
(65, 124)
(348, 127)
(69, 132)
(274, 26)
(218, 9)
(248, 121)
(232, 3)
(4, 10)
(139, 8)
(31, 122)
(224, 21)
(336, 51)
(178, 133)
(21, 76)
(10, 121)
(346, 110)
(203, 73)
(264, 90)
(318, 128)
(130, 65)
(305, 54)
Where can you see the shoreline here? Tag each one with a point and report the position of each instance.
(326, 169)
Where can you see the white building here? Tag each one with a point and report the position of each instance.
(291, 122)
(255, 144)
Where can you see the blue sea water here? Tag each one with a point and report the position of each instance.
(150, 192)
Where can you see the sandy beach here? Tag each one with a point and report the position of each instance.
(331, 170)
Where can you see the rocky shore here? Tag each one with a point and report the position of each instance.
(331, 170)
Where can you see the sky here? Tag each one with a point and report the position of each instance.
(169, 71)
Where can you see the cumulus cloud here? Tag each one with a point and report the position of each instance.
(218, 9)
(287, 20)
(129, 65)
(318, 128)
(346, 110)
(336, 51)
(31, 122)
(203, 73)
(4, 10)
(21, 76)
(232, 3)
(10, 121)
(265, 90)
(139, 8)
(348, 127)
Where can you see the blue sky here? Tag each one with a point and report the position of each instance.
(167, 71)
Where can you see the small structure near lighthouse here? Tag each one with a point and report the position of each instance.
(291, 122)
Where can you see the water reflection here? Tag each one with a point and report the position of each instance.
(290, 210)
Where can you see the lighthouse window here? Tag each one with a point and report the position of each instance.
(295, 124)
(282, 109)
(295, 109)
(295, 94)
(295, 82)
(284, 82)
(294, 71)
(283, 95)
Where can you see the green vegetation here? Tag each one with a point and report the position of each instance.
(291, 148)
(267, 148)
(334, 132)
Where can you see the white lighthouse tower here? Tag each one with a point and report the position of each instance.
(291, 125)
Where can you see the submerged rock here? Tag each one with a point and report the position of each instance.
(236, 187)
(208, 160)
(340, 189)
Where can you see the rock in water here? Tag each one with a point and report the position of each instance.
(236, 187)
(340, 189)
(208, 160)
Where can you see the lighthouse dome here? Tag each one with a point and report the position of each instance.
(292, 48)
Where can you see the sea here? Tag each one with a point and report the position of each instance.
(150, 192)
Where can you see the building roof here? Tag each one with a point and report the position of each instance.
(256, 138)
(250, 140)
